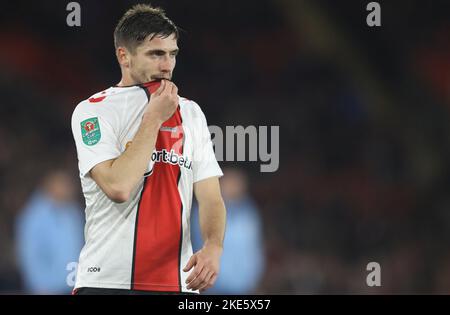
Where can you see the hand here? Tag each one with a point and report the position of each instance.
(206, 263)
(163, 102)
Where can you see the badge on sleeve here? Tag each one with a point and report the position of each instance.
(90, 131)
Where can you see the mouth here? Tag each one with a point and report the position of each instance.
(159, 78)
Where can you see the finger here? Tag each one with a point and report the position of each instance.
(213, 279)
(206, 282)
(167, 88)
(190, 264)
(199, 281)
(174, 90)
(160, 88)
(194, 273)
(211, 282)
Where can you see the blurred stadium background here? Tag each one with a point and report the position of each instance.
(363, 113)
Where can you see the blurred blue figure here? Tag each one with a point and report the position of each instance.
(243, 258)
(49, 235)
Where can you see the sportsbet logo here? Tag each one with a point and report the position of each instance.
(172, 158)
(90, 131)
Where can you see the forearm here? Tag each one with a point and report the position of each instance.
(127, 170)
(212, 216)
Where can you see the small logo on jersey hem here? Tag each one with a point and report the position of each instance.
(90, 131)
(93, 269)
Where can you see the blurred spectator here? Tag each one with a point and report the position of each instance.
(243, 259)
(49, 235)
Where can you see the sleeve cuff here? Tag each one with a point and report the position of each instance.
(93, 162)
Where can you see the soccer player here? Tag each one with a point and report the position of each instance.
(142, 153)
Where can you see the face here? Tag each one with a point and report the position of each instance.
(59, 186)
(152, 60)
(234, 184)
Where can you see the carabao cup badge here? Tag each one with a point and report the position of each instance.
(90, 131)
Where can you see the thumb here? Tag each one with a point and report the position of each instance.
(190, 263)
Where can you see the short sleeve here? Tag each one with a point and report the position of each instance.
(204, 160)
(95, 139)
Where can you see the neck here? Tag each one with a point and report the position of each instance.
(126, 79)
(124, 82)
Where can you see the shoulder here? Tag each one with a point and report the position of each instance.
(97, 101)
(104, 103)
(190, 108)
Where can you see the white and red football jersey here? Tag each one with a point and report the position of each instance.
(144, 243)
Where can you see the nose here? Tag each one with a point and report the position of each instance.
(166, 65)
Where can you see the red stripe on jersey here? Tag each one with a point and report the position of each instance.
(158, 223)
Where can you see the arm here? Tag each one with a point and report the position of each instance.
(212, 216)
(119, 177)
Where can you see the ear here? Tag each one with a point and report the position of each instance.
(123, 56)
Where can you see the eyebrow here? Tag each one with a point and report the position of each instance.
(152, 51)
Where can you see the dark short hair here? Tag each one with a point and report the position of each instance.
(141, 21)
